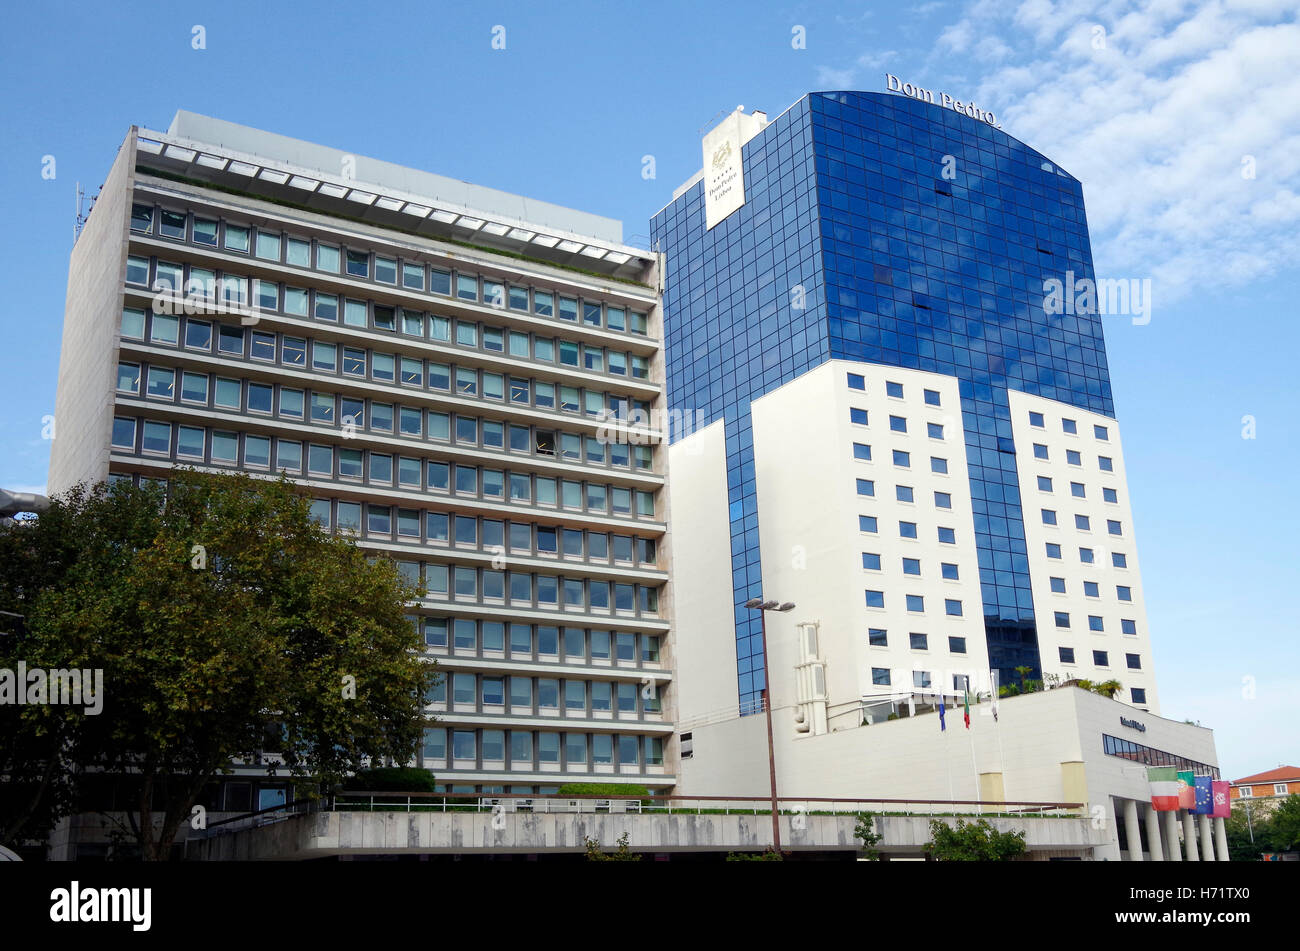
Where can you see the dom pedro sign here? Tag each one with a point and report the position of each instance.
(894, 84)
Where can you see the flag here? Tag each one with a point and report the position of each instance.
(942, 723)
(966, 695)
(1222, 806)
(1186, 790)
(1164, 788)
(1204, 796)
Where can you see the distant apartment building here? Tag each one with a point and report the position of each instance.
(1267, 787)
(459, 377)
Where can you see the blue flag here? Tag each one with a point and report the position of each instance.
(1204, 796)
(943, 725)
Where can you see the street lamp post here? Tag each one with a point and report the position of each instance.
(762, 607)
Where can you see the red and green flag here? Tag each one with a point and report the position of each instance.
(1164, 788)
(1186, 789)
(966, 713)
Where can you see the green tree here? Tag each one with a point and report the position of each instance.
(865, 829)
(767, 855)
(621, 854)
(1283, 834)
(1241, 846)
(217, 611)
(973, 842)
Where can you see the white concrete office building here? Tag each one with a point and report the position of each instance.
(438, 364)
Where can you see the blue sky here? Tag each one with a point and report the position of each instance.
(1181, 119)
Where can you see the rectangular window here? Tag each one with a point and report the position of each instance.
(1113, 527)
(902, 459)
(1073, 458)
(911, 566)
(902, 493)
(1066, 654)
(1105, 463)
(947, 536)
(1138, 694)
(938, 465)
(948, 571)
(1044, 484)
(867, 523)
(957, 645)
(1053, 550)
(932, 397)
(1100, 432)
(858, 416)
(857, 382)
(875, 599)
(880, 676)
(1082, 523)
(1057, 585)
(1123, 592)
(1118, 560)
(866, 487)
(1086, 556)
(919, 642)
(952, 607)
(1062, 619)
(1101, 658)
(942, 500)
(907, 529)
(935, 430)
(1049, 517)
(1069, 426)
(861, 451)
(870, 561)
(1036, 420)
(915, 603)
(894, 389)
(898, 424)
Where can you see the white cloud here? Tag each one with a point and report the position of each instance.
(1155, 124)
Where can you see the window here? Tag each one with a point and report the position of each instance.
(142, 218)
(861, 451)
(1040, 451)
(1044, 484)
(1036, 420)
(1086, 556)
(1090, 589)
(1073, 458)
(157, 437)
(906, 529)
(920, 678)
(1138, 694)
(1123, 592)
(1109, 495)
(1134, 661)
(932, 397)
(1100, 658)
(880, 676)
(137, 270)
(1095, 623)
(1246, 792)
(1057, 585)
(877, 637)
(1062, 619)
(898, 424)
(1128, 627)
(866, 487)
(1066, 654)
(1076, 490)
(957, 645)
(919, 642)
(1053, 550)
(1049, 517)
(1082, 523)
(912, 566)
(870, 561)
(236, 239)
(947, 536)
(858, 416)
(948, 571)
(1118, 560)
(1100, 432)
(124, 433)
(894, 389)
(938, 465)
(952, 607)
(1113, 527)
(856, 381)
(902, 459)
(875, 599)
(915, 603)
(1105, 463)
(935, 430)
(942, 500)
(1068, 425)
(867, 523)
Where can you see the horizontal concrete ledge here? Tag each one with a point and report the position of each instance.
(361, 833)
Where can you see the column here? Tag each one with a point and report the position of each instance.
(1221, 840)
(1132, 831)
(1189, 837)
(1154, 846)
(1171, 836)
(1207, 839)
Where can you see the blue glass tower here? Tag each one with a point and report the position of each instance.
(913, 236)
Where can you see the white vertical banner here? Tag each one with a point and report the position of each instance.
(724, 176)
